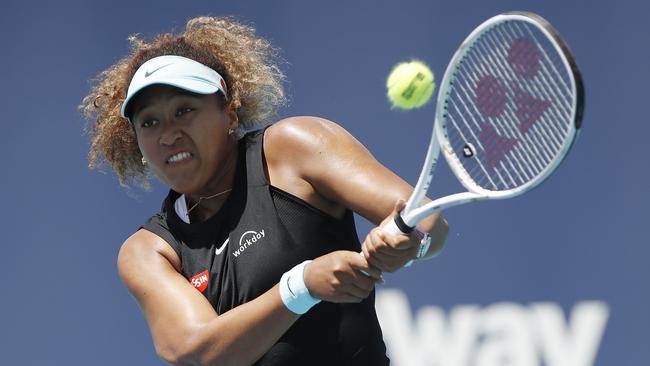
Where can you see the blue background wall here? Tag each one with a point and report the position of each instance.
(579, 238)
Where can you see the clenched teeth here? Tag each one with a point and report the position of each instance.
(178, 157)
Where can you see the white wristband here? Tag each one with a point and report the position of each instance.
(294, 293)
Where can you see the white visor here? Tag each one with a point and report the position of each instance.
(177, 71)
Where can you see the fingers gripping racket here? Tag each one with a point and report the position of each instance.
(509, 108)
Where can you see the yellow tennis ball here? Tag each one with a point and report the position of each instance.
(410, 85)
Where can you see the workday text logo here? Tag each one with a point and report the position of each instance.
(247, 240)
(504, 333)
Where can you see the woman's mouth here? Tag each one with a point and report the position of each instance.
(178, 157)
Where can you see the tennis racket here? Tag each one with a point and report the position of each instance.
(508, 110)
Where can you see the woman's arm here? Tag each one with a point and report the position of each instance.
(310, 157)
(319, 161)
(185, 328)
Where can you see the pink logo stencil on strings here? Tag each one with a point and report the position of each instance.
(523, 57)
(496, 146)
(491, 99)
(529, 109)
(490, 96)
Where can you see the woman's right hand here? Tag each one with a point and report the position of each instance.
(338, 277)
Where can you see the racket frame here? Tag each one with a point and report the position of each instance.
(412, 214)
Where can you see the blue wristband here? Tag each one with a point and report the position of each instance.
(294, 293)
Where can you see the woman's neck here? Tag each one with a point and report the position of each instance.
(203, 205)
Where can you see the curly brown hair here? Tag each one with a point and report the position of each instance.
(247, 62)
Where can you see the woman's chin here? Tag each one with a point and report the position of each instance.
(185, 186)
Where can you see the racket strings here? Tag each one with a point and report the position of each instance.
(472, 80)
(509, 107)
(525, 103)
(562, 94)
(555, 75)
(491, 135)
(501, 130)
(471, 134)
(512, 117)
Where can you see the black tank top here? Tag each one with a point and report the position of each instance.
(243, 250)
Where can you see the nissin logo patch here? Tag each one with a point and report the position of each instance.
(200, 281)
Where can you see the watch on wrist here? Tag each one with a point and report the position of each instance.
(425, 243)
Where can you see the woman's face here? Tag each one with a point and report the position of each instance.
(184, 137)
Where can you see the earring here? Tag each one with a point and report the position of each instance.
(144, 161)
(230, 131)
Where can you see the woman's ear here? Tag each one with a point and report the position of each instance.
(231, 113)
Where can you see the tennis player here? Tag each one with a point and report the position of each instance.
(254, 257)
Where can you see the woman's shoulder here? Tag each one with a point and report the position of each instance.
(302, 136)
(299, 151)
(298, 126)
(305, 123)
(142, 247)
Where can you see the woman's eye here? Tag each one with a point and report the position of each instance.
(182, 111)
(149, 123)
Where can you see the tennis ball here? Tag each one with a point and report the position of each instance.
(410, 85)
